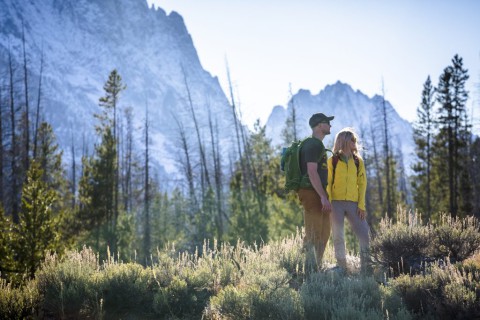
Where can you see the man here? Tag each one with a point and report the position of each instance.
(314, 199)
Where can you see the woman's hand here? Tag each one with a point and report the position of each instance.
(361, 213)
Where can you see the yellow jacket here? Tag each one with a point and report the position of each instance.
(348, 185)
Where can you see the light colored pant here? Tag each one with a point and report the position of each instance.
(317, 223)
(348, 209)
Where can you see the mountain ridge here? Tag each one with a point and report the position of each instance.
(351, 109)
(83, 41)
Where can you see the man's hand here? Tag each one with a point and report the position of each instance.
(361, 213)
(326, 205)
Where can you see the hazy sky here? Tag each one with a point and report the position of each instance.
(309, 44)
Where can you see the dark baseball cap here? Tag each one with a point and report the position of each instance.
(319, 118)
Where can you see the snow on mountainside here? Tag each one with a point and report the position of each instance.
(84, 40)
(351, 109)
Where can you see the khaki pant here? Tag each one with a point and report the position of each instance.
(317, 223)
(348, 209)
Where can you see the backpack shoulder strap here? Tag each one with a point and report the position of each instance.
(334, 164)
(357, 162)
(334, 161)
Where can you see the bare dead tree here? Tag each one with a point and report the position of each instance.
(187, 164)
(376, 162)
(289, 133)
(203, 160)
(2, 151)
(387, 159)
(217, 175)
(147, 235)
(294, 113)
(37, 116)
(26, 158)
(402, 176)
(128, 160)
(73, 182)
(13, 147)
(235, 121)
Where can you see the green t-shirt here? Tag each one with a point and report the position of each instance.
(313, 150)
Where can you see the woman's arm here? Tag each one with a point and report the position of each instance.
(362, 184)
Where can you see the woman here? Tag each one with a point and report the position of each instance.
(347, 183)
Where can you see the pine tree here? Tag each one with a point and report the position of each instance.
(109, 148)
(99, 185)
(452, 141)
(7, 262)
(463, 161)
(423, 138)
(38, 229)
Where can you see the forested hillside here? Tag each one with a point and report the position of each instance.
(102, 212)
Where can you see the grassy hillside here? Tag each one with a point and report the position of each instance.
(270, 281)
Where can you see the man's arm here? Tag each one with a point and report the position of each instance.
(317, 185)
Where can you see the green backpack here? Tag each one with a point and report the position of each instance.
(290, 164)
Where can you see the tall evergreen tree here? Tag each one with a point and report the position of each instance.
(99, 185)
(38, 230)
(423, 138)
(452, 140)
(7, 261)
(113, 87)
(463, 161)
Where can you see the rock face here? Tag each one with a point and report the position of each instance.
(82, 41)
(351, 109)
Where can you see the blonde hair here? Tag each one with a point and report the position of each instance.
(342, 140)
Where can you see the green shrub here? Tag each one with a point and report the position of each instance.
(331, 296)
(251, 302)
(262, 291)
(18, 303)
(274, 281)
(289, 254)
(443, 293)
(185, 284)
(401, 246)
(125, 290)
(418, 292)
(180, 300)
(471, 268)
(68, 286)
(456, 238)
(230, 303)
(282, 303)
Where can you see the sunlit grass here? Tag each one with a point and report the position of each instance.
(278, 280)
